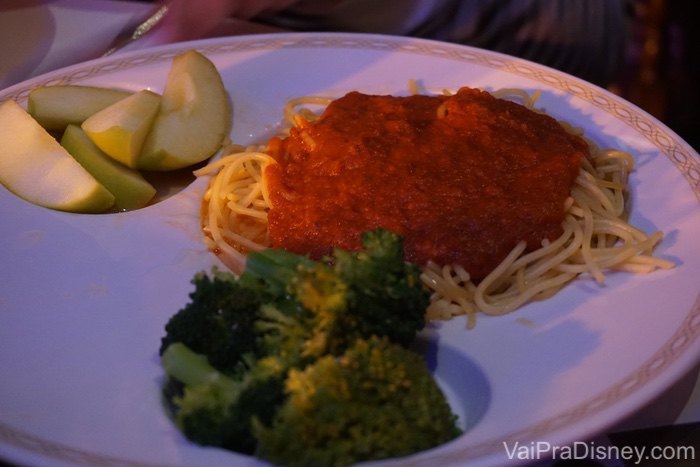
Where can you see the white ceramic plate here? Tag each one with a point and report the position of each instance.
(84, 299)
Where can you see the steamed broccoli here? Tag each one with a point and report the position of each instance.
(386, 294)
(218, 322)
(377, 400)
(348, 296)
(216, 409)
(218, 327)
(235, 355)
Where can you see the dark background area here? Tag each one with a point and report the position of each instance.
(662, 73)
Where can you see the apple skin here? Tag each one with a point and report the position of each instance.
(121, 129)
(35, 167)
(194, 118)
(131, 191)
(48, 104)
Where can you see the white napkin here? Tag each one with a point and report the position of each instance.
(38, 36)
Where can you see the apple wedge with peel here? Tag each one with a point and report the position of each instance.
(131, 191)
(34, 166)
(121, 129)
(55, 107)
(194, 116)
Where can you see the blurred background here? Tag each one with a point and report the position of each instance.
(662, 74)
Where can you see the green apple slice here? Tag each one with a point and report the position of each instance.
(130, 189)
(34, 166)
(55, 107)
(194, 117)
(120, 129)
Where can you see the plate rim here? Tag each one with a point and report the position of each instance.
(674, 355)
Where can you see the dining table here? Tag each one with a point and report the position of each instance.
(37, 37)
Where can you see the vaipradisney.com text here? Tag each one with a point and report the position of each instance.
(542, 450)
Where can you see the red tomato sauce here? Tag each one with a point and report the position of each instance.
(462, 188)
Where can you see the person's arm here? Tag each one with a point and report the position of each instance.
(194, 19)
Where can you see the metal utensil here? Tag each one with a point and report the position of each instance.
(133, 32)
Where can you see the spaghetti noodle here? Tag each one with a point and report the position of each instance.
(596, 236)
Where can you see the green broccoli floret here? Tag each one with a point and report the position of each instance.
(387, 297)
(378, 400)
(346, 296)
(269, 272)
(217, 322)
(223, 331)
(216, 409)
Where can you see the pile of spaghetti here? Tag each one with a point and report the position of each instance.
(595, 235)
